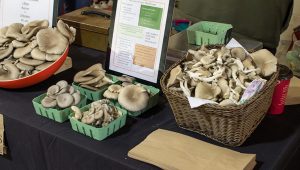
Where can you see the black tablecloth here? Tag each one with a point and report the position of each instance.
(36, 143)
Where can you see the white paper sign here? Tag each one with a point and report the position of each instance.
(197, 102)
(138, 37)
(24, 11)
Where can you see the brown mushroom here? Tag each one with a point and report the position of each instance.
(6, 52)
(68, 32)
(64, 100)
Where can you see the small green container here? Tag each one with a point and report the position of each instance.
(207, 33)
(91, 94)
(98, 133)
(53, 113)
(154, 97)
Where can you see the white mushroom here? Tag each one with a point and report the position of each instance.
(77, 113)
(173, 76)
(64, 100)
(68, 32)
(266, 61)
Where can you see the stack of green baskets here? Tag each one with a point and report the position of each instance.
(206, 33)
(91, 94)
(94, 132)
(58, 115)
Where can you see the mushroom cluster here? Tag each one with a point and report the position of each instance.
(61, 95)
(92, 78)
(220, 75)
(28, 49)
(133, 97)
(100, 114)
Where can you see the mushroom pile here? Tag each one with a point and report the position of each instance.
(29, 49)
(220, 75)
(132, 97)
(92, 78)
(61, 95)
(100, 113)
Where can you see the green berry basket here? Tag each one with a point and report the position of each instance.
(206, 33)
(91, 94)
(94, 132)
(154, 97)
(58, 115)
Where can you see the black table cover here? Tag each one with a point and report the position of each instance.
(37, 143)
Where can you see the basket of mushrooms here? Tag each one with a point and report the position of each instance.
(220, 75)
(33, 52)
(55, 104)
(93, 81)
(134, 97)
(97, 120)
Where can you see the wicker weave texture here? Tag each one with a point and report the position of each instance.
(230, 125)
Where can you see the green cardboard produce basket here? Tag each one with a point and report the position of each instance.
(206, 33)
(154, 97)
(58, 115)
(91, 94)
(98, 133)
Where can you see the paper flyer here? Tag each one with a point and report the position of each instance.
(24, 11)
(138, 37)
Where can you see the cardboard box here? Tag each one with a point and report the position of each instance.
(92, 30)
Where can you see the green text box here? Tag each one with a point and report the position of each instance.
(150, 17)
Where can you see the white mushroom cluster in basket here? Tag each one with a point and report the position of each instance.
(92, 78)
(132, 97)
(100, 114)
(61, 95)
(220, 75)
(28, 49)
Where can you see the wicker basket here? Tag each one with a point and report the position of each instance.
(230, 125)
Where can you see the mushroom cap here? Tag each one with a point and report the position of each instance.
(21, 52)
(65, 30)
(24, 67)
(76, 97)
(204, 91)
(93, 81)
(48, 102)
(33, 25)
(12, 72)
(51, 41)
(89, 87)
(3, 31)
(77, 112)
(173, 76)
(99, 114)
(37, 54)
(80, 77)
(52, 57)
(62, 84)
(266, 61)
(133, 98)
(64, 100)
(18, 44)
(110, 95)
(6, 52)
(31, 62)
(238, 52)
(53, 90)
(115, 88)
(14, 31)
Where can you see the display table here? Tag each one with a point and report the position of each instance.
(37, 143)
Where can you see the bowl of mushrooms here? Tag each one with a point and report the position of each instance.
(97, 120)
(31, 53)
(220, 75)
(55, 104)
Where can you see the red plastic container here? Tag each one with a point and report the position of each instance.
(35, 78)
(281, 90)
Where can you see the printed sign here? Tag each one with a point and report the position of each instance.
(24, 11)
(138, 38)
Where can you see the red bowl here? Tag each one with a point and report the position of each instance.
(37, 77)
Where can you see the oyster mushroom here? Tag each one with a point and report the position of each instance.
(9, 72)
(31, 62)
(68, 32)
(64, 100)
(238, 52)
(48, 102)
(14, 31)
(62, 84)
(133, 98)
(6, 52)
(76, 97)
(52, 57)
(51, 41)
(24, 67)
(20, 52)
(266, 61)
(112, 92)
(227, 102)
(18, 44)
(37, 54)
(30, 27)
(77, 113)
(204, 91)
(223, 84)
(173, 76)
(115, 88)
(99, 114)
